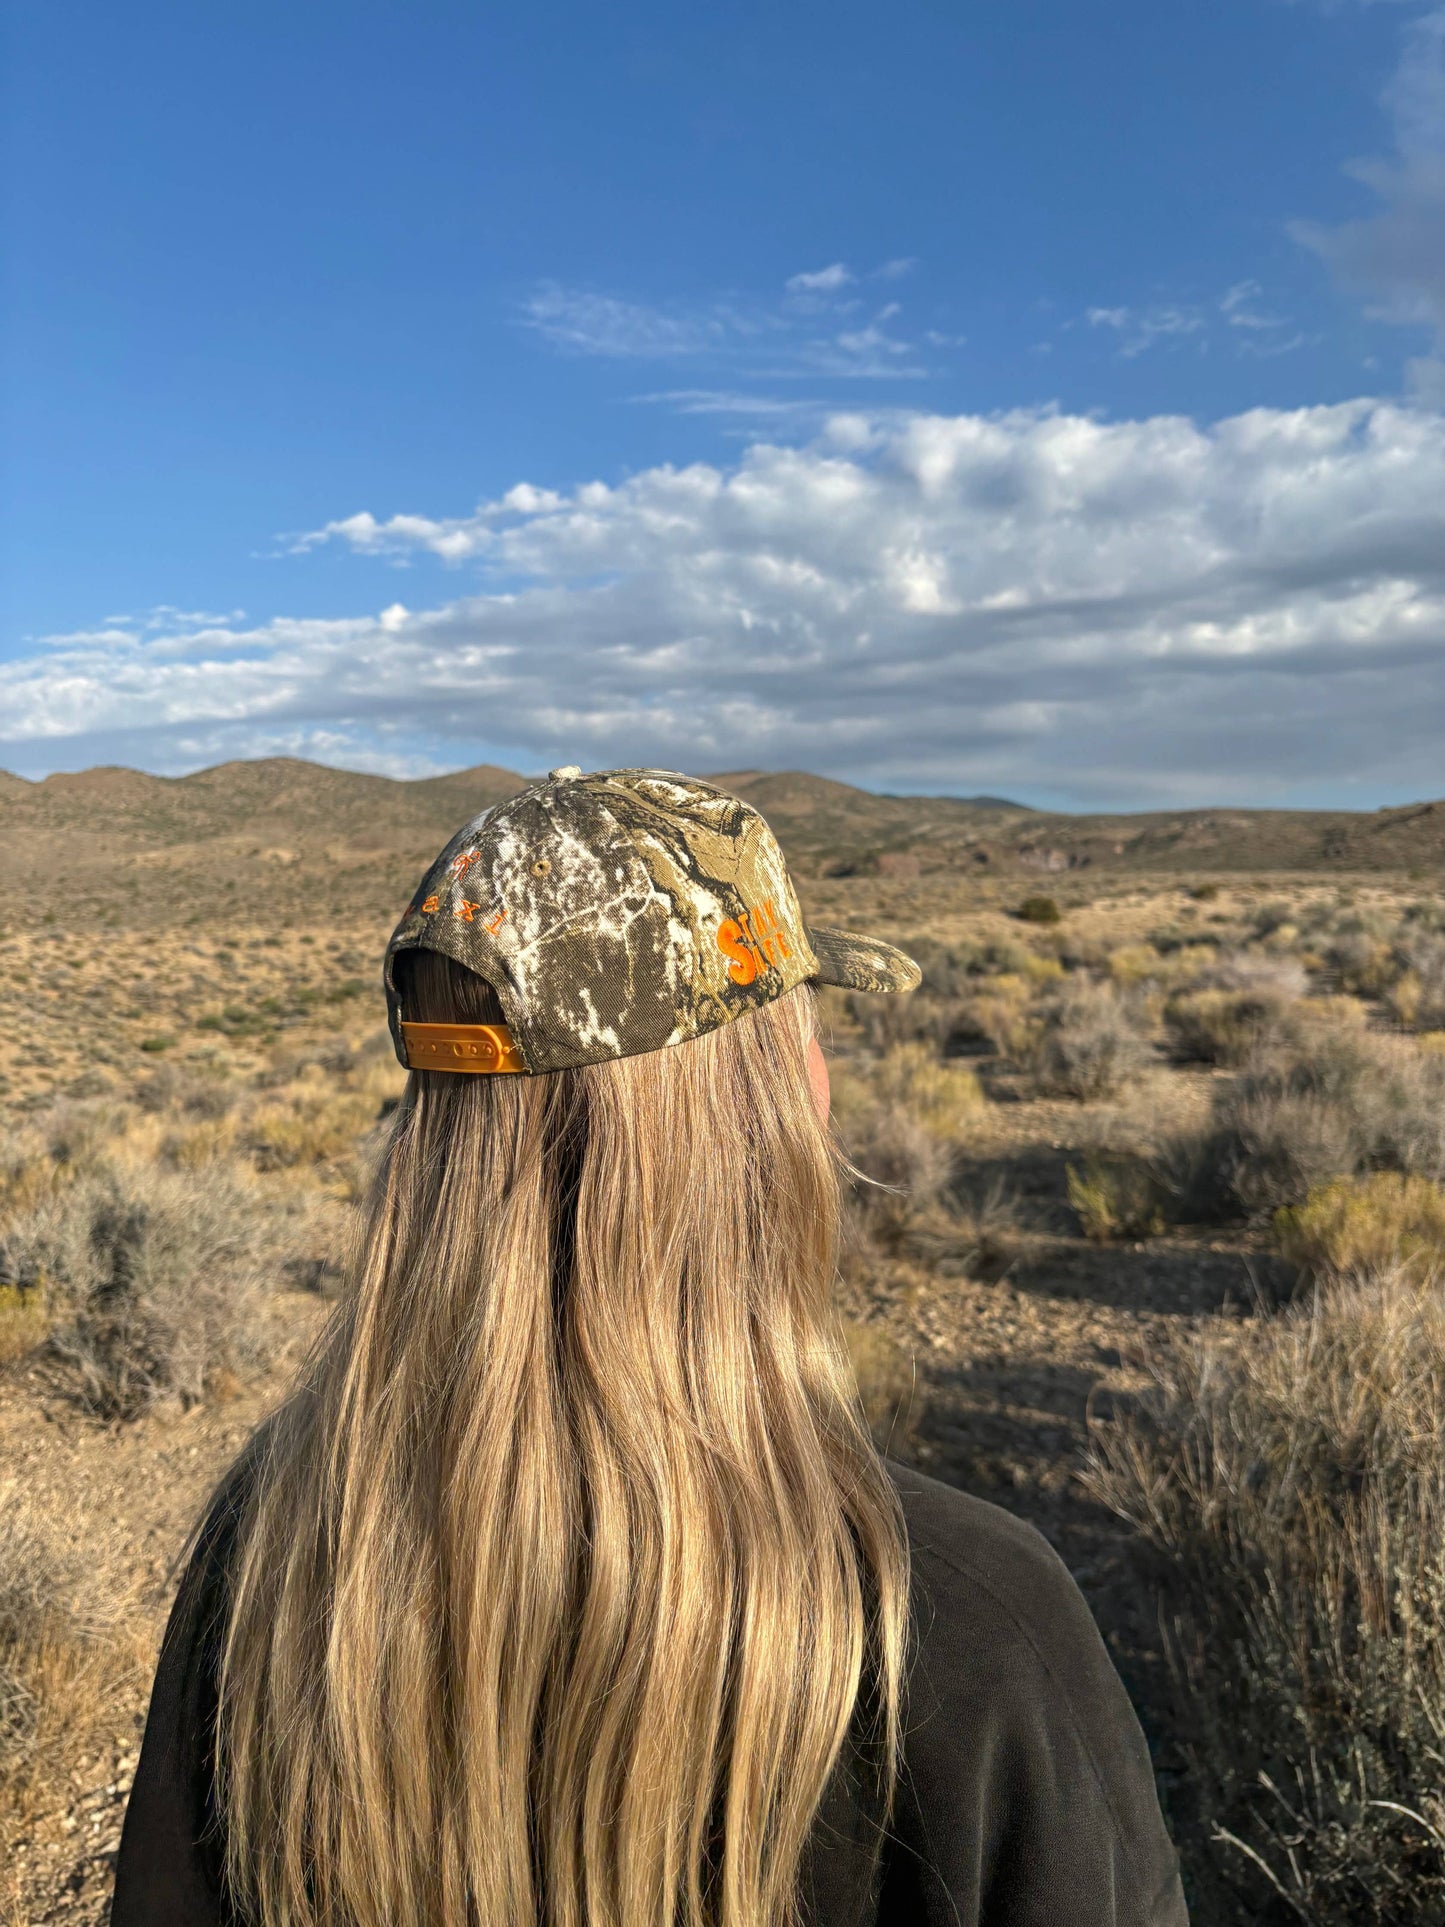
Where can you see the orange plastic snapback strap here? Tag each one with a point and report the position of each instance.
(461, 1047)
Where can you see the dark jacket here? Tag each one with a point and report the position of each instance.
(1027, 1797)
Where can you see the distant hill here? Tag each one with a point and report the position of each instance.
(295, 835)
(280, 792)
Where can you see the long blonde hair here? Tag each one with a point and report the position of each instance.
(570, 1560)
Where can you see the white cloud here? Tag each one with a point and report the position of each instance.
(1173, 324)
(1139, 611)
(584, 322)
(814, 328)
(1236, 305)
(1139, 328)
(1395, 257)
(869, 351)
(715, 401)
(825, 281)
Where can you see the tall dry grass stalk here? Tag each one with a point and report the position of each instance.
(571, 1562)
(68, 1638)
(1289, 1477)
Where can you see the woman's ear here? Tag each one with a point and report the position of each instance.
(818, 1077)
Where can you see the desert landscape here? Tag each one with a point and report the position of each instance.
(1145, 1244)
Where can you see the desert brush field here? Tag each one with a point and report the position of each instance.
(1146, 1243)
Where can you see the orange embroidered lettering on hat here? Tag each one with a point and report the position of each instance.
(461, 1047)
(759, 945)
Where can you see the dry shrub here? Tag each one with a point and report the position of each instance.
(1039, 910)
(1417, 997)
(1116, 1197)
(942, 1095)
(1243, 1004)
(1000, 1013)
(27, 1176)
(195, 1147)
(927, 1015)
(24, 1317)
(65, 1642)
(903, 1172)
(1281, 939)
(1405, 998)
(319, 1123)
(153, 1280)
(883, 1022)
(1287, 1481)
(978, 1233)
(893, 1401)
(1327, 1015)
(1364, 962)
(1003, 957)
(1354, 1102)
(1091, 1040)
(195, 1093)
(41, 1158)
(958, 981)
(1279, 1143)
(1040, 969)
(900, 1120)
(1226, 1027)
(1135, 963)
(1284, 978)
(1270, 918)
(1381, 1222)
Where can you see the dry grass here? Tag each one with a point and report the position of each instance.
(1289, 1476)
(64, 1645)
(1383, 1222)
(1116, 1197)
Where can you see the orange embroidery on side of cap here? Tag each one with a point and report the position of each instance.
(743, 967)
(754, 942)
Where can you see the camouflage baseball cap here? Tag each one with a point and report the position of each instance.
(615, 913)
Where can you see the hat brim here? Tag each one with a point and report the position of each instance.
(861, 963)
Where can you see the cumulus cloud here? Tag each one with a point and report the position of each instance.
(1395, 256)
(1118, 613)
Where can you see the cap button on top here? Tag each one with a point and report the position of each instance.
(565, 774)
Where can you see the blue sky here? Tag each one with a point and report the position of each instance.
(942, 397)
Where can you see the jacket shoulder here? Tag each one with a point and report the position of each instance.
(977, 1553)
(1021, 1731)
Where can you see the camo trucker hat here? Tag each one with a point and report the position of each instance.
(615, 913)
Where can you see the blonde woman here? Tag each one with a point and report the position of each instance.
(567, 1588)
